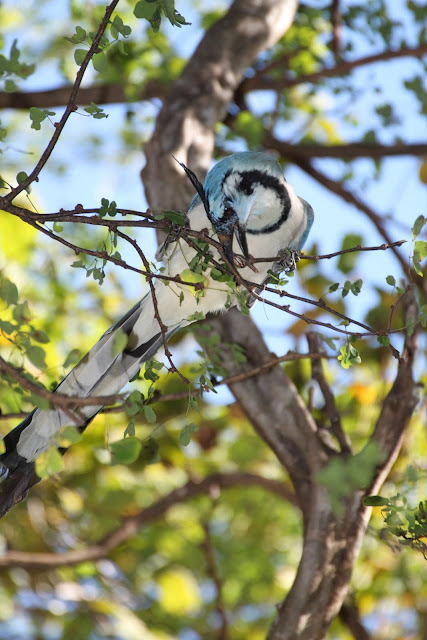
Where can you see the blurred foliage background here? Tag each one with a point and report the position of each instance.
(219, 559)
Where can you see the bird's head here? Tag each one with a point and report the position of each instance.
(246, 193)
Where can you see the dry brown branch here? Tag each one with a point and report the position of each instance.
(131, 525)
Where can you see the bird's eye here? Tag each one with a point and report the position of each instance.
(228, 210)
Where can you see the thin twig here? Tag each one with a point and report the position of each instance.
(162, 326)
(348, 196)
(157, 396)
(71, 106)
(55, 397)
(330, 406)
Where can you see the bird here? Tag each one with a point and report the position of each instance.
(245, 203)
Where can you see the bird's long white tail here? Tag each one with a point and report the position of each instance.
(101, 372)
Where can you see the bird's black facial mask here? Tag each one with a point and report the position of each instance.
(227, 226)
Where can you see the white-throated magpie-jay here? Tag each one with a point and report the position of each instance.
(247, 203)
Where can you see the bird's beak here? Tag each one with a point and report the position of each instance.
(240, 235)
(226, 239)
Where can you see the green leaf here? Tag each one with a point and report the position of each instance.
(347, 261)
(150, 451)
(333, 287)
(36, 355)
(78, 263)
(356, 287)
(10, 86)
(174, 216)
(119, 344)
(79, 56)
(37, 116)
(192, 403)
(420, 252)
(21, 176)
(412, 473)
(72, 358)
(125, 451)
(421, 248)
(130, 429)
(391, 281)
(79, 36)
(57, 226)
(121, 47)
(134, 403)
(196, 316)
(39, 402)
(384, 340)
(6, 326)
(21, 312)
(149, 414)
(376, 501)
(49, 462)
(9, 292)
(185, 435)
(40, 336)
(68, 436)
(144, 9)
(99, 62)
(418, 225)
(117, 27)
(97, 113)
(194, 278)
(349, 356)
(341, 477)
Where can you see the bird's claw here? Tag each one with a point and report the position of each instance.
(288, 259)
(240, 262)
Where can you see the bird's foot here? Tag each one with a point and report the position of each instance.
(240, 262)
(288, 259)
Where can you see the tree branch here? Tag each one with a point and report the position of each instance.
(132, 524)
(352, 150)
(260, 83)
(100, 94)
(350, 616)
